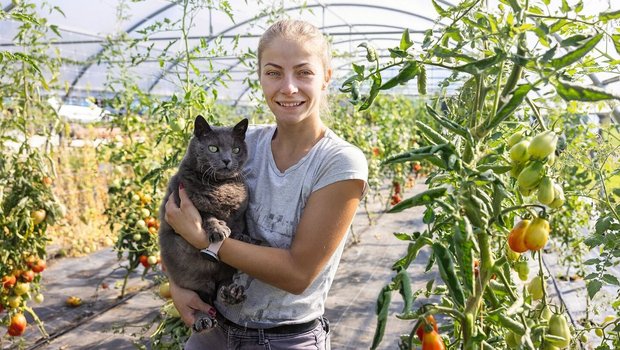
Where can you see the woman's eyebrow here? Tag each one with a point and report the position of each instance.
(279, 67)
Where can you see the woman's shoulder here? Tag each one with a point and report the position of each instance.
(339, 147)
(257, 132)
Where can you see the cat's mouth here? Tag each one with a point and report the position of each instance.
(290, 104)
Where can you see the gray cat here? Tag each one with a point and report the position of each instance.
(211, 174)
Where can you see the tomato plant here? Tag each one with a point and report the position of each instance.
(497, 161)
(27, 204)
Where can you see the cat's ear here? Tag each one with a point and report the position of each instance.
(201, 127)
(241, 128)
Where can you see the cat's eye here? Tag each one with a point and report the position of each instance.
(236, 150)
(213, 149)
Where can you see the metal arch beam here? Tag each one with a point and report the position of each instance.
(293, 8)
(364, 39)
(129, 30)
(9, 7)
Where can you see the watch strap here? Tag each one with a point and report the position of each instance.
(211, 252)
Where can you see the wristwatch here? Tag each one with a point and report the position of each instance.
(211, 251)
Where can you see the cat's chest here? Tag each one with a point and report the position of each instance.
(226, 195)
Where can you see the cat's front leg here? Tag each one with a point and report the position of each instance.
(204, 322)
(216, 229)
(232, 294)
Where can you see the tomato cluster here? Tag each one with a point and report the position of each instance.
(132, 212)
(530, 158)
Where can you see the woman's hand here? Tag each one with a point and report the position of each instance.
(188, 303)
(186, 220)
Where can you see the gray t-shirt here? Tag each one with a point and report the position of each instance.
(276, 202)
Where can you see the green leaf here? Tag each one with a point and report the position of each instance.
(358, 69)
(435, 137)
(514, 4)
(565, 8)
(577, 54)
(593, 286)
(383, 305)
(405, 41)
(616, 40)
(608, 16)
(405, 291)
(440, 11)
(397, 53)
(573, 92)
(593, 261)
(412, 253)
(549, 54)
(602, 224)
(478, 67)
(374, 91)
(423, 198)
(445, 263)
(573, 40)
(515, 101)
(406, 73)
(611, 279)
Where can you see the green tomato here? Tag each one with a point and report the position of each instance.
(536, 287)
(558, 326)
(518, 152)
(515, 138)
(531, 176)
(546, 191)
(542, 145)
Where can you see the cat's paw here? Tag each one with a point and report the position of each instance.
(232, 294)
(218, 230)
(204, 322)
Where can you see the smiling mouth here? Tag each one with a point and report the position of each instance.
(291, 104)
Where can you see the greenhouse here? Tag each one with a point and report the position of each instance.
(428, 174)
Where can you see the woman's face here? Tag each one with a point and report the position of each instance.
(293, 79)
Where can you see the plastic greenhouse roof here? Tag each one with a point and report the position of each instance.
(85, 26)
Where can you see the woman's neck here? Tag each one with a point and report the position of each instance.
(291, 143)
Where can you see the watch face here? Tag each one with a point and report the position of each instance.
(210, 255)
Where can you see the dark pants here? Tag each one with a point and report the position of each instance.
(226, 337)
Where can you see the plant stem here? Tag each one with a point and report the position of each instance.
(498, 85)
(536, 113)
(188, 58)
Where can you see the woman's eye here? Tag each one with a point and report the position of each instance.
(305, 72)
(213, 149)
(236, 150)
(272, 74)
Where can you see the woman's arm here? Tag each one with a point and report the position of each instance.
(322, 226)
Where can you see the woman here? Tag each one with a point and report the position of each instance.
(305, 186)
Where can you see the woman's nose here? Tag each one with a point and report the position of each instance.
(288, 86)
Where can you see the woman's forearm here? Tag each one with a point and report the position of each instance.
(274, 266)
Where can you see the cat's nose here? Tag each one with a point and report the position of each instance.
(226, 161)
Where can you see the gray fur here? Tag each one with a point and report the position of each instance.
(214, 183)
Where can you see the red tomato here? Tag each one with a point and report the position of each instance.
(428, 320)
(144, 260)
(395, 199)
(8, 281)
(516, 238)
(39, 266)
(47, 181)
(18, 325)
(432, 341)
(27, 276)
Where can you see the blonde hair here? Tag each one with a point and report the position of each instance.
(299, 31)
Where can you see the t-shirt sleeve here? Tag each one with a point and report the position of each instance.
(346, 163)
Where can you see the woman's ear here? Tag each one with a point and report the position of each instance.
(328, 77)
